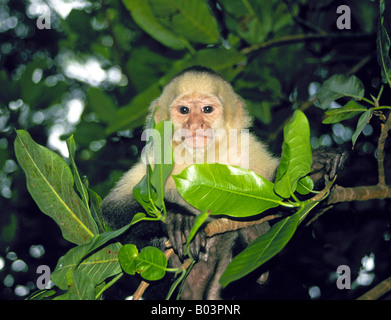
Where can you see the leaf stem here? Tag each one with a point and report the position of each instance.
(114, 280)
(290, 204)
(381, 107)
(369, 101)
(380, 92)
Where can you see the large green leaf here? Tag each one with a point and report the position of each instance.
(296, 158)
(189, 19)
(144, 16)
(339, 86)
(82, 288)
(143, 191)
(69, 262)
(252, 21)
(261, 250)
(226, 190)
(149, 192)
(102, 264)
(164, 161)
(80, 187)
(50, 183)
(175, 23)
(85, 276)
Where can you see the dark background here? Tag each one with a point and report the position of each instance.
(94, 72)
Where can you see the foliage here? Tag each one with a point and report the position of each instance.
(50, 182)
(339, 86)
(275, 54)
(82, 271)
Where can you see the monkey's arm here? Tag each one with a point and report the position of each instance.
(178, 226)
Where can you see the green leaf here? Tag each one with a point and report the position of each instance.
(94, 270)
(260, 110)
(97, 267)
(151, 263)
(143, 191)
(349, 110)
(174, 23)
(296, 158)
(127, 256)
(149, 192)
(198, 222)
(364, 119)
(69, 262)
(252, 21)
(137, 217)
(102, 104)
(95, 202)
(9, 228)
(143, 15)
(42, 294)
(305, 185)
(81, 188)
(163, 160)
(383, 44)
(82, 288)
(102, 264)
(145, 66)
(144, 194)
(339, 86)
(224, 189)
(261, 250)
(50, 183)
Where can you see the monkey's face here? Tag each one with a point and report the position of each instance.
(196, 117)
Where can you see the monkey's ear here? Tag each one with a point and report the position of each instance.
(158, 110)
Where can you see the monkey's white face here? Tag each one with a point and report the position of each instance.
(195, 117)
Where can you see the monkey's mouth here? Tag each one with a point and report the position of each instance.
(197, 141)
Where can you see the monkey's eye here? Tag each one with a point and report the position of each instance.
(184, 110)
(207, 109)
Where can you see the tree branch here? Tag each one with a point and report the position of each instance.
(380, 149)
(224, 225)
(303, 37)
(364, 193)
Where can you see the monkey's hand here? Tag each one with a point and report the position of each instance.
(178, 228)
(327, 162)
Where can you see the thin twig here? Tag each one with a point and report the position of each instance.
(378, 291)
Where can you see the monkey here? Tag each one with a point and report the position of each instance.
(203, 108)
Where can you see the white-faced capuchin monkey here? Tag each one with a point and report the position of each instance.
(200, 103)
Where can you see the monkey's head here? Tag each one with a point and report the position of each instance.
(199, 101)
